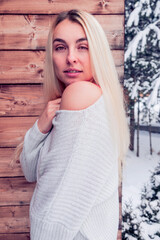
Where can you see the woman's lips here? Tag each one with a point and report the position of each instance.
(72, 72)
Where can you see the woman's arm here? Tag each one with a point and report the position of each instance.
(34, 140)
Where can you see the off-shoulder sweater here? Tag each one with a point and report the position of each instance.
(76, 169)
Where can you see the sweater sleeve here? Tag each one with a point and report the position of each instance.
(87, 171)
(33, 142)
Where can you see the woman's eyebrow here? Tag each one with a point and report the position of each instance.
(81, 40)
(63, 41)
(59, 40)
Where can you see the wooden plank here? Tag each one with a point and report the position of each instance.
(21, 100)
(52, 7)
(15, 191)
(27, 66)
(21, 66)
(30, 31)
(14, 219)
(15, 236)
(9, 168)
(12, 130)
(113, 26)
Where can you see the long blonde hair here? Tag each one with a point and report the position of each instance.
(104, 74)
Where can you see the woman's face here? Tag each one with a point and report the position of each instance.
(71, 58)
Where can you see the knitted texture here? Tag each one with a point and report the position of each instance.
(76, 169)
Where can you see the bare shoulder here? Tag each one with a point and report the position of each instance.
(80, 95)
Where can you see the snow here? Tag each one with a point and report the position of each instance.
(141, 36)
(157, 9)
(134, 16)
(137, 170)
(152, 100)
(140, 212)
(144, 116)
(136, 174)
(134, 93)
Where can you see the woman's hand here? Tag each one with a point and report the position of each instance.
(45, 120)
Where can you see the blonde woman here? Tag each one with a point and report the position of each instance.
(73, 150)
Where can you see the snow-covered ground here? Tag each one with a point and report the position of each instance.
(137, 170)
(136, 173)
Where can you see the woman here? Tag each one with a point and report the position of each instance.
(74, 148)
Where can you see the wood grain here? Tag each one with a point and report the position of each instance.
(13, 129)
(15, 191)
(27, 66)
(14, 219)
(30, 31)
(21, 66)
(21, 100)
(15, 236)
(52, 7)
(9, 168)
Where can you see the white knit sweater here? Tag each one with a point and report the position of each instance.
(76, 169)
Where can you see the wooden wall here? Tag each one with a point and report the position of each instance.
(24, 27)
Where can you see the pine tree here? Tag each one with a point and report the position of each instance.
(150, 204)
(142, 222)
(142, 65)
(130, 224)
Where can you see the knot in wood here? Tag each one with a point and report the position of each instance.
(104, 3)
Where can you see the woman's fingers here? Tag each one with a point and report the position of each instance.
(45, 120)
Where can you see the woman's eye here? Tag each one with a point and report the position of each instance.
(83, 47)
(60, 48)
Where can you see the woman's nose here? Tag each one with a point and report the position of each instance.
(71, 56)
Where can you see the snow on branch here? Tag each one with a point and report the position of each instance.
(141, 36)
(134, 16)
(152, 100)
(134, 92)
(157, 9)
